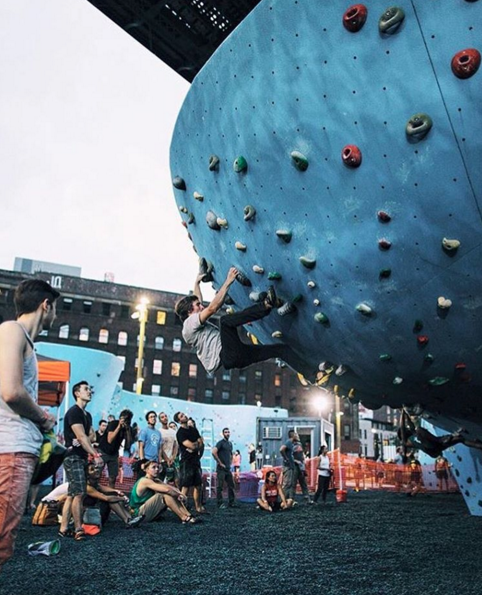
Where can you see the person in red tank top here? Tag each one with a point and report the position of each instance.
(272, 496)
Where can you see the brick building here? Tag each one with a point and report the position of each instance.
(97, 314)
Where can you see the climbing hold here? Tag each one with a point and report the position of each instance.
(384, 244)
(417, 326)
(385, 357)
(230, 310)
(287, 308)
(422, 340)
(365, 309)
(222, 222)
(299, 161)
(326, 367)
(206, 269)
(351, 393)
(240, 246)
(355, 17)
(311, 284)
(297, 298)
(258, 270)
(228, 300)
(240, 164)
(429, 358)
(277, 334)
(316, 302)
(249, 212)
(391, 20)
(385, 273)
(351, 156)
(183, 209)
(274, 276)
(179, 183)
(466, 63)
(450, 245)
(419, 126)
(198, 196)
(438, 381)
(241, 278)
(213, 163)
(321, 318)
(444, 303)
(322, 379)
(308, 263)
(285, 235)
(384, 217)
(190, 219)
(340, 370)
(397, 380)
(184, 223)
(212, 220)
(460, 367)
(258, 296)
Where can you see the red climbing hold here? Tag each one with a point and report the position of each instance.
(422, 339)
(383, 216)
(351, 156)
(466, 63)
(460, 366)
(355, 17)
(184, 223)
(384, 244)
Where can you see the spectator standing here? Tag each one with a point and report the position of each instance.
(169, 448)
(252, 457)
(78, 434)
(442, 467)
(236, 465)
(22, 421)
(150, 440)
(294, 467)
(118, 432)
(324, 474)
(223, 453)
(100, 431)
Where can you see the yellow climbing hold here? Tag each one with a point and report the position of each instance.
(240, 246)
(450, 245)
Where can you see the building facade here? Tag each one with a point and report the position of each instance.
(97, 314)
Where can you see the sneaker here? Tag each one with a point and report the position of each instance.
(135, 521)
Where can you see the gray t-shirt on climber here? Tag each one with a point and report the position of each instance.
(206, 340)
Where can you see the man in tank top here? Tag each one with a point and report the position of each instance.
(22, 421)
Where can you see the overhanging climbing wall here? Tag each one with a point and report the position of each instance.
(356, 147)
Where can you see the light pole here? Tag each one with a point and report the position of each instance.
(140, 315)
(338, 415)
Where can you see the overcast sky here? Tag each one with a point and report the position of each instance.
(86, 118)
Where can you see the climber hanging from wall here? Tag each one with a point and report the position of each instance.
(223, 347)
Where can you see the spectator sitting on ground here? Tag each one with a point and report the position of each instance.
(150, 497)
(272, 495)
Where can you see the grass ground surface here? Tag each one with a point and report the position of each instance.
(374, 544)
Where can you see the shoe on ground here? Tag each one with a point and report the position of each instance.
(135, 521)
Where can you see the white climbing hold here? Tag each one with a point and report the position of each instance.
(364, 308)
(277, 334)
(311, 284)
(258, 269)
(316, 302)
(397, 380)
(340, 370)
(240, 246)
(450, 244)
(183, 209)
(230, 310)
(198, 196)
(222, 222)
(444, 303)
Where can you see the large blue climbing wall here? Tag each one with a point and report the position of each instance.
(380, 258)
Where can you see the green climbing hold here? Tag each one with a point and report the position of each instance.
(240, 164)
(391, 20)
(385, 357)
(417, 326)
(429, 358)
(308, 263)
(438, 381)
(179, 183)
(249, 212)
(299, 160)
(321, 318)
(198, 196)
(297, 298)
(419, 126)
(274, 276)
(213, 163)
(285, 235)
(240, 246)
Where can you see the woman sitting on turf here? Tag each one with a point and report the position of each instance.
(272, 495)
(150, 497)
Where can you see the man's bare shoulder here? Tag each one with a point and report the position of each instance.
(11, 330)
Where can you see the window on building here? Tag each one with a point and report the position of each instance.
(134, 387)
(138, 339)
(277, 400)
(346, 431)
(174, 391)
(242, 398)
(122, 338)
(64, 331)
(67, 304)
(208, 394)
(161, 317)
(176, 345)
(136, 363)
(175, 369)
(258, 374)
(277, 379)
(87, 307)
(125, 311)
(242, 376)
(191, 394)
(192, 370)
(105, 309)
(227, 375)
(156, 389)
(157, 366)
(84, 334)
(225, 395)
(103, 335)
(159, 343)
